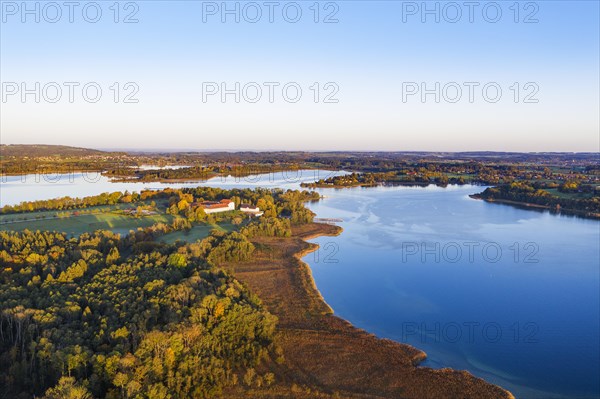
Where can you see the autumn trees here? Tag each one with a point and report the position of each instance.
(534, 193)
(106, 316)
(95, 318)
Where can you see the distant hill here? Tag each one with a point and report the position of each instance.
(43, 150)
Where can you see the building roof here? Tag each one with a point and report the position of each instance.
(224, 203)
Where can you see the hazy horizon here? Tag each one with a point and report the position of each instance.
(232, 150)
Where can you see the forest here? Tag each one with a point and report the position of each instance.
(108, 316)
(569, 197)
(422, 167)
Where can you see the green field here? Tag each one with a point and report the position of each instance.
(197, 232)
(560, 194)
(76, 225)
(27, 216)
(77, 221)
(108, 217)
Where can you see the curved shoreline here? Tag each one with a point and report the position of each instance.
(299, 255)
(538, 207)
(418, 358)
(328, 354)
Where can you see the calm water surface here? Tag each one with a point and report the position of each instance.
(511, 295)
(15, 189)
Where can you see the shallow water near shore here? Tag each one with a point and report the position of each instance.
(511, 295)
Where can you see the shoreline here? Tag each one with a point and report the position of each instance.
(393, 184)
(529, 206)
(180, 180)
(419, 358)
(327, 352)
(299, 255)
(524, 205)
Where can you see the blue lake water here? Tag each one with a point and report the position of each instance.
(511, 295)
(15, 189)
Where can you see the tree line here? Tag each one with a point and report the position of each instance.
(92, 316)
(106, 316)
(584, 202)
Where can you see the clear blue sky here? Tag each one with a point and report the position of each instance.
(373, 56)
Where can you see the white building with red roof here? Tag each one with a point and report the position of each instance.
(224, 205)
